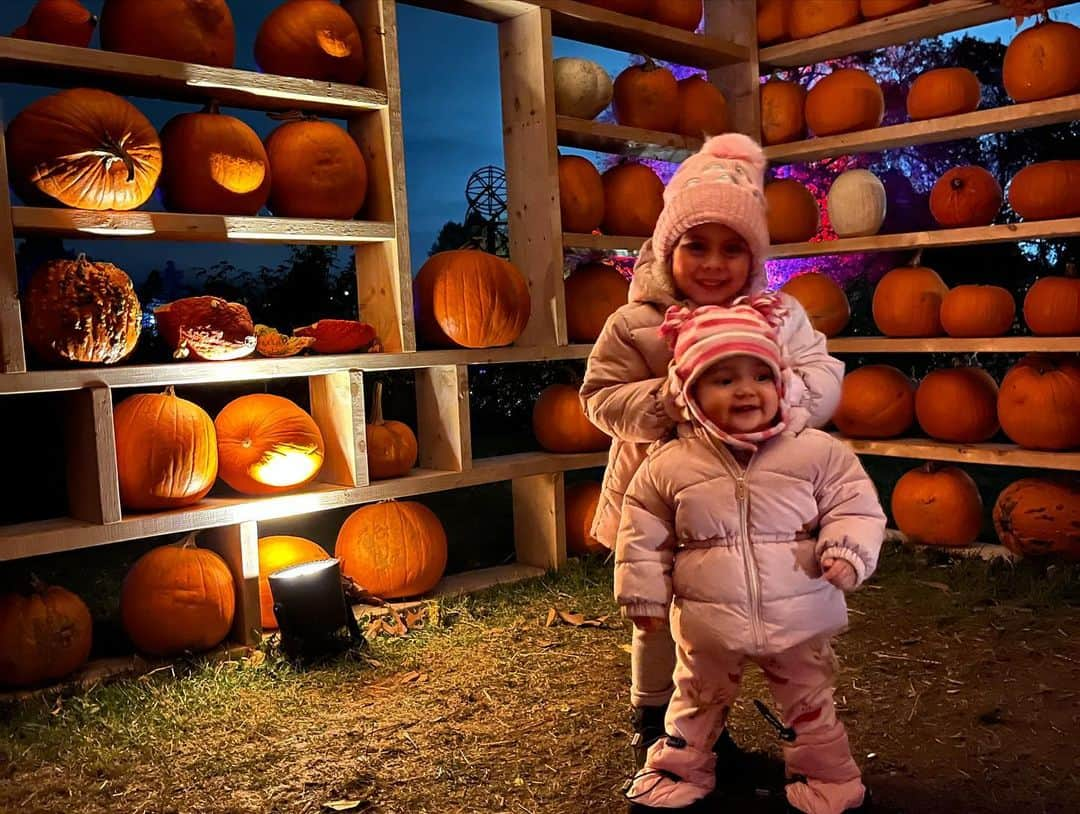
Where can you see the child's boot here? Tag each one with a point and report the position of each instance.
(676, 777)
(648, 723)
(818, 797)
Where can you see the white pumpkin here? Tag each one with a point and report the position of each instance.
(856, 204)
(582, 88)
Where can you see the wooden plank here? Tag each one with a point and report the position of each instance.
(740, 81)
(990, 454)
(442, 417)
(607, 137)
(491, 11)
(603, 243)
(540, 520)
(337, 405)
(532, 172)
(946, 128)
(92, 480)
(41, 63)
(944, 344)
(238, 545)
(12, 351)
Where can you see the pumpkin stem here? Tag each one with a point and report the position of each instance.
(36, 585)
(957, 183)
(917, 259)
(377, 414)
(292, 116)
(188, 541)
(649, 64)
(1070, 269)
(170, 391)
(930, 467)
(213, 107)
(119, 152)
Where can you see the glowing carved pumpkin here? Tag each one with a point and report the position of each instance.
(876, 401)
(314, 39)
(938, 505)
(391, 445)
(1039, 517)
(44, 635)
(275, 553)
(560, 425)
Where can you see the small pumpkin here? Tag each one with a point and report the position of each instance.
(1052, 305)
(958, 404)
(856, 204)
(965, 196)
(846, 100)
(1047, 190)
(824, 301)
(391, 445)
(783, 112)
(581, 501)
(1040, 516)
(647, 96)
(178, 599)
(807, 18)
(338, 335)
(873, 9)
(1042, 62)
(876, 401)
(703, 108)
(275, 345)
(792, 211)
(64, 22)
(1039, 402)
(200, 31)
(582, 88)
(581, 194)
(594, 291)
(943, 92)
(684, 14)
(206, 328)
(316, 171)
(772, 21)
(938, 505)
(44, 635)
(314, 39)
(560, 425)
(977, 311)
(633, 200)
(907, 302)
(275, 553)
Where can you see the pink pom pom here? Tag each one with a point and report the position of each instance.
(675, 317)
(738, 146)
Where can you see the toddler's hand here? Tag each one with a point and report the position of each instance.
(840, 573)
(648, 623)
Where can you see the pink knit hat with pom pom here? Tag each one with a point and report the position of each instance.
(723, 183)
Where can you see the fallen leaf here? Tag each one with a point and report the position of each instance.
(552, 615)
(415, 619)
(409, 677)
(256, 659)
(343, 805)
(941, 586)
(575, 619)
(397, 628)
(373, 629)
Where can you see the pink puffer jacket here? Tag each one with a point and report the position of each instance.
(739, 549)
(623, 387)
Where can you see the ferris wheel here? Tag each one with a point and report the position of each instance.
(486, 193)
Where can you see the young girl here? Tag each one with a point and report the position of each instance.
(747, 535)
(707, 249)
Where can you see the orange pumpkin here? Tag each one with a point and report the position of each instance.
(876, 401)
(772, 20)
(166, 451)
(1039, 402)
(200, 31)
(872, 9)
(470, 299)
(581, 194)
(1040, 516)
(275, 553)
(314, 39)
(393, 549)
(267, 445)
(594, 291)
(177, 599)
(977, 310)
(809, 17)
(64, 22)
(44, 635)
(846, 100)
(792, 212)
(907, 302)
(824, 301)
(338, 335)
(1042, 62)
(1047, 190)
(633, 200)
(943, 92)
(965, 196)
(635, 8)
(684, 14)
(581, 500)
(1052, 305)
(646, 96)
(783, 112)
(276, 345)
(316, 171)
(560, 425)
(958, 404)
(703, 108)
(84, 148)
(206, 328)
(391, 445)
(938, 505)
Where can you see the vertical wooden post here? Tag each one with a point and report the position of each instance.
(12, 352)
(238, 545)
(540, 520)
(92, 480)
(337, 405)
(442, 416)
(736, 20)
(532, 170)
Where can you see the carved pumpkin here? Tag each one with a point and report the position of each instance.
(856, 204)
(391, 445)
(958, 404)
(876, 401)
(206, 328)
(965, 196)
(593, 293)
(633, 200)
(582, 87)
(44, 635)
(824, 301)
(199, 31)
(977, 310)
(1047, 190)
(560, 425)
(470, 299)
(314, 39)
(64, 22)
(792, 212)
(581, 500)
(78, 311)
(1039, 402)
(907, 302)
(772, 21)
(1042, 62)
(684, 14)
(943, 92)
(647, 96)
(177, 599)
(275, 345)
(166, 451)
(846, 100)
(783, 116)
(938, 505)
(636, 8)
(393, 549)
(316, 171)
(1052, 305)
(872, 9)
(581, 194)
(275, 553)
(703, 109)
(84, 148)
(1040, 516)
(338, 335)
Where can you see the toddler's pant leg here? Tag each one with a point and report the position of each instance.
(652, 663)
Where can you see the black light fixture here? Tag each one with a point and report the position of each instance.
(311, 611)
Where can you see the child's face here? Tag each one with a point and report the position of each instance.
(711, 264)
(738, 394)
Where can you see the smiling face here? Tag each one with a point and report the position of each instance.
(711, 264)
(738, 394)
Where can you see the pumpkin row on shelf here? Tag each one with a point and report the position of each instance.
(684, 14)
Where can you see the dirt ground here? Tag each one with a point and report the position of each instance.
(958, 698)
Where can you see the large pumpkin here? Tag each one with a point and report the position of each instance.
(684, 14)
(958, 404)
(1052, 305)
(809, 17)
(316, 171)
(876, 401)
(943, 92)
(703, 109)
(1039, 402)
(393, 549)
(214, 164)
(848, 99)
(44, 635)
(938, 505)
(391, 445)
(872, 9)
(1047, 190)
(977, 310)
(593, 293)
(965, 196)
(84, 148)
(856, 204)
(824, 301)
(633, 200)
(581, 500)
(647, 96)
(206, 328)
(560, 424)
(783, 112)
(200, 31)
(1043, 62)
(791, 210)
(78, 311)
(581, 194)
(275, 553)
(772, 21)
(1040, 516)
(582, 87)
(470, 299)
(267, 445)
(64, 22)
(907, 302)
(314, 39)
(178, 599)
(166, 451)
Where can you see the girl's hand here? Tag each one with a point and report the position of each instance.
(840, 573)
(648, 623)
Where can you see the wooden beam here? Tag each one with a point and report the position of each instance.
(740, 81)
(607, 137)
(442, 417)
(337, 405)
(603, 243)
(12, 351)
(990, 454)
(92, 480)
(238, 545)
(540, 520)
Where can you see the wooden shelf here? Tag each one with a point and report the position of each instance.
(945, 344)
(927, 21)
(603, 243)
(607, 137)
(991, 454)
